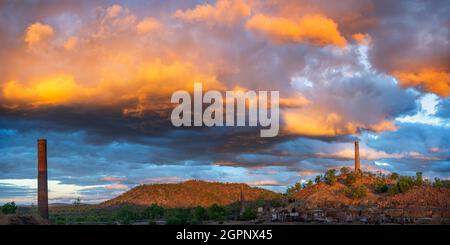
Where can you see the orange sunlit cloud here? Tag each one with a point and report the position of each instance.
(57, 89)
(37, 33)
(147, 25)
(316, 123)
(223, 12)
(70, 43)
(430, 80)
(152, 78)
(316, 29)
(123, 57)
(363, 39)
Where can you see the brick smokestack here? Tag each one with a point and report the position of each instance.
(357, 163)
(42, 178)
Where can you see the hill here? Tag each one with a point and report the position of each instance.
(334, 196)
(423, 196)
(189, 194)
(339, 195)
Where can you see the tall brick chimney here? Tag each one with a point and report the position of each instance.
(42, 178)
(357, 163)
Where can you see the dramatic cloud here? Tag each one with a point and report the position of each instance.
(56, 89)
(37, 33)
(316, 29)
(223, 12)
(429, 80)
(114, 10)
(96, 79)
(418, 54)
(369, 108)
(147, 25)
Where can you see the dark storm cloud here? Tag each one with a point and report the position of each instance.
(405, 41)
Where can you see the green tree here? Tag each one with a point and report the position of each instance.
(394, 189)
(125, 215)
(419, 179)
(199, 213)
(76, 202)
(179, 217)
(394, 176)
(360, 192)
(248, 214)
(330, 176)
(309, 183)
(154, 212)
(356, 192)
(294, 189)
(318, 179)
(9, 208)
(405, 183)
(350, 179)
(381, 186)
(216, 212)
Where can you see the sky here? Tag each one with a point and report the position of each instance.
(95, 79)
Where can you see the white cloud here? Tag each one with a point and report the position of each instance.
(57, 190)
(426, 113)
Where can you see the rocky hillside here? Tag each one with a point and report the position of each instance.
(424, 196)
(189, 194)
(323, 195)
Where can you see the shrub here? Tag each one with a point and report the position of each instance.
(318, 179)
(405, 183)
(9, 208)
(199, 213)
(294, 189)
(381, 186)
(350, 179)
(125, 215)
(330, 176)
(216, 212)
(248, 214)
(419, 179)
(394, 189)
(180, 217)
(394, 176)
(441, 183)
(153, 212)
(356, 192)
